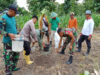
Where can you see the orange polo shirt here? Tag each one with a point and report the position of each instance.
(73, 23)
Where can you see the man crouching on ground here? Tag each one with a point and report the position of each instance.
(68, 33)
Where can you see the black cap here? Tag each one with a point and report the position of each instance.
(13, 7)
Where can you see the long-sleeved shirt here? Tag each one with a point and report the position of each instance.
(29, 29)
(88, 27)
(73, 23)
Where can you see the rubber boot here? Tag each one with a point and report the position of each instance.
(70, 60)
(27, 58)
(62, 51)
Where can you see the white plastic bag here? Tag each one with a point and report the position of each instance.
(57, 40)
(17, 44)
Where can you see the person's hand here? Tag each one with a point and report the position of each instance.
(70, 48)
(89, 38)
(12, 36)
(80, 34)
(36, 41)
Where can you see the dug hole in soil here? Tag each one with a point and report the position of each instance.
(51, 63)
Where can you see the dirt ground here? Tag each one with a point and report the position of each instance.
(52, 63)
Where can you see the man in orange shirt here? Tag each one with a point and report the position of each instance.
(72, 21)
(73, 24)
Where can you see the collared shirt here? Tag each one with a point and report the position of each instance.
(28, 30)
(88, 27)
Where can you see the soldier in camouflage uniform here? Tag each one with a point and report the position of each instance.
(8, 29)
(70, 38)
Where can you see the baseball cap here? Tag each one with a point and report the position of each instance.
(13, 7)
(88, 12)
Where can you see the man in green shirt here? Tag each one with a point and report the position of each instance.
(54, 24)
(9, 32)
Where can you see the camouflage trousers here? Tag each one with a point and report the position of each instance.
(67, 41)
(76, 41)
(10, 57)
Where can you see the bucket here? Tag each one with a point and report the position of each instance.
(17, 44)
(46, 48)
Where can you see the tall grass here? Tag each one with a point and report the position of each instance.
(22, 19)
(96, 18)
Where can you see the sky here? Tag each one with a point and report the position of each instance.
(60, 1)
(23, 3)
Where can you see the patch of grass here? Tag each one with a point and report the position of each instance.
(22, 19)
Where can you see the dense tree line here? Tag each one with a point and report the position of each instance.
(35, 6)
(68, 5)
(5, 3)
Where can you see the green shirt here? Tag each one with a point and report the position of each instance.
(54, 23)
(10, 27)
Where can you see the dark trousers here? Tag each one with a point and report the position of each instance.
(27, 47)
(81, 39)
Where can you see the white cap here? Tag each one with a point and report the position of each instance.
(88, 12)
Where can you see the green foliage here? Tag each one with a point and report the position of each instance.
(22, 11)
(85, 73)
(97, 5)
(35, 6)
(67, 5)
(5, 3)
(22, 19)
(89, 4)
(79, 9)
(82, 74)
(60, 9)
(96, 18)
(73, 5)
